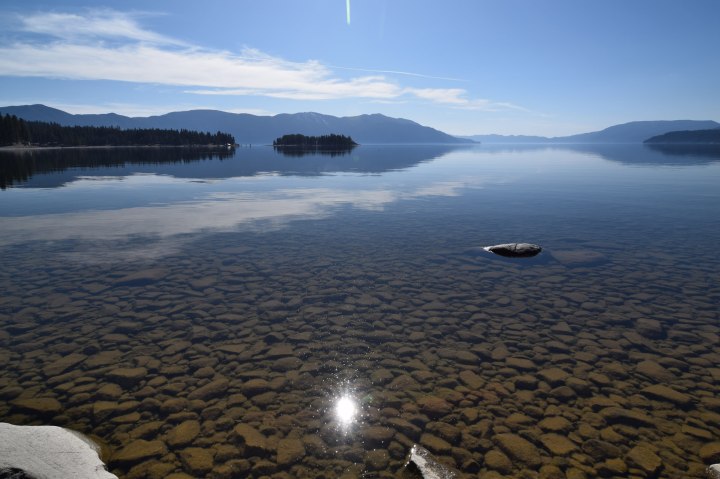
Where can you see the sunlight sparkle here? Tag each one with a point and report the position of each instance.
(345, 410)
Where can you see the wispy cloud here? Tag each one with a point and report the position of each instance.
(397, 72)
(111, 45)
(95, 23)
(451, 96)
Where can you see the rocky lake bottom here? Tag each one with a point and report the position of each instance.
(227, 357)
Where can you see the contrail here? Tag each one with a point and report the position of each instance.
(396, 72)
(347, 8)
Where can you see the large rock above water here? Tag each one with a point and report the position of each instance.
(421, 459)
(49, 451)
(515, 250)
(713, 471)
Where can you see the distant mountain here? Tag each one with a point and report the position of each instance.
(711, 136)
(636, 131)
(513, 139)
(633, 132)
(246, 128)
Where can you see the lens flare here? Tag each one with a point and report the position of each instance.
(347, 9)
(345, 410)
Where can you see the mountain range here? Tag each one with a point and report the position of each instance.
(364, 129)
(633, 132)
(253, 129)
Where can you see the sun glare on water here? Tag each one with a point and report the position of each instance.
(345, 410)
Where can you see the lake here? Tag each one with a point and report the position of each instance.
(250, 314)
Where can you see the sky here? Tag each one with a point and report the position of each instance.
(531, 67)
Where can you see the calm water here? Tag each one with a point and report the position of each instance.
(251, 314)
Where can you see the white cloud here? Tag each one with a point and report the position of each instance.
(396, 72)
(452, 96)
(78, 51)
(457, 98)
(96, 23)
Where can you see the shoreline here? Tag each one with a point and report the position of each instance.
(98, 147)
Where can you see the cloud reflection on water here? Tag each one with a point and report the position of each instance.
(165, 227)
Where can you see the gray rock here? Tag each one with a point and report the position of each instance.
(713, 472)
(49, 451)
(515, 250)
(421, 459)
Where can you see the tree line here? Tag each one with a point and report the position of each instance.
(14, 131)
(325, 142)
(711, 136)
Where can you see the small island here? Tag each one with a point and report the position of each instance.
(331, 142)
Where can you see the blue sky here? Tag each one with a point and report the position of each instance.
(462, 66)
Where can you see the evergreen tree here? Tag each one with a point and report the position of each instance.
(15, 130)
(323, 142)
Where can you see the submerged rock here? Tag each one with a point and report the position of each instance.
(138, 451)
(579, 257)
(515, 250)
(519, 448)
(645, 459)
(48, 451)
(40, 406)
(421, 459)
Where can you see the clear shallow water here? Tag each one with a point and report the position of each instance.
(220, 309)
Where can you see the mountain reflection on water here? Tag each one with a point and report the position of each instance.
(53, 168)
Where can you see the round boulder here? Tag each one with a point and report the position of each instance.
(515, 250)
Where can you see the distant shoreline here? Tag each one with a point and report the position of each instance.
(103, 147)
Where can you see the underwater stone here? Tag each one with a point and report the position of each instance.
(138, 451)
(515, 250)
(41, 406)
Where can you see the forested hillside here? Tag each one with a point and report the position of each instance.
(16, 131)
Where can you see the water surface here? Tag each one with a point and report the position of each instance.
(262, 315)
